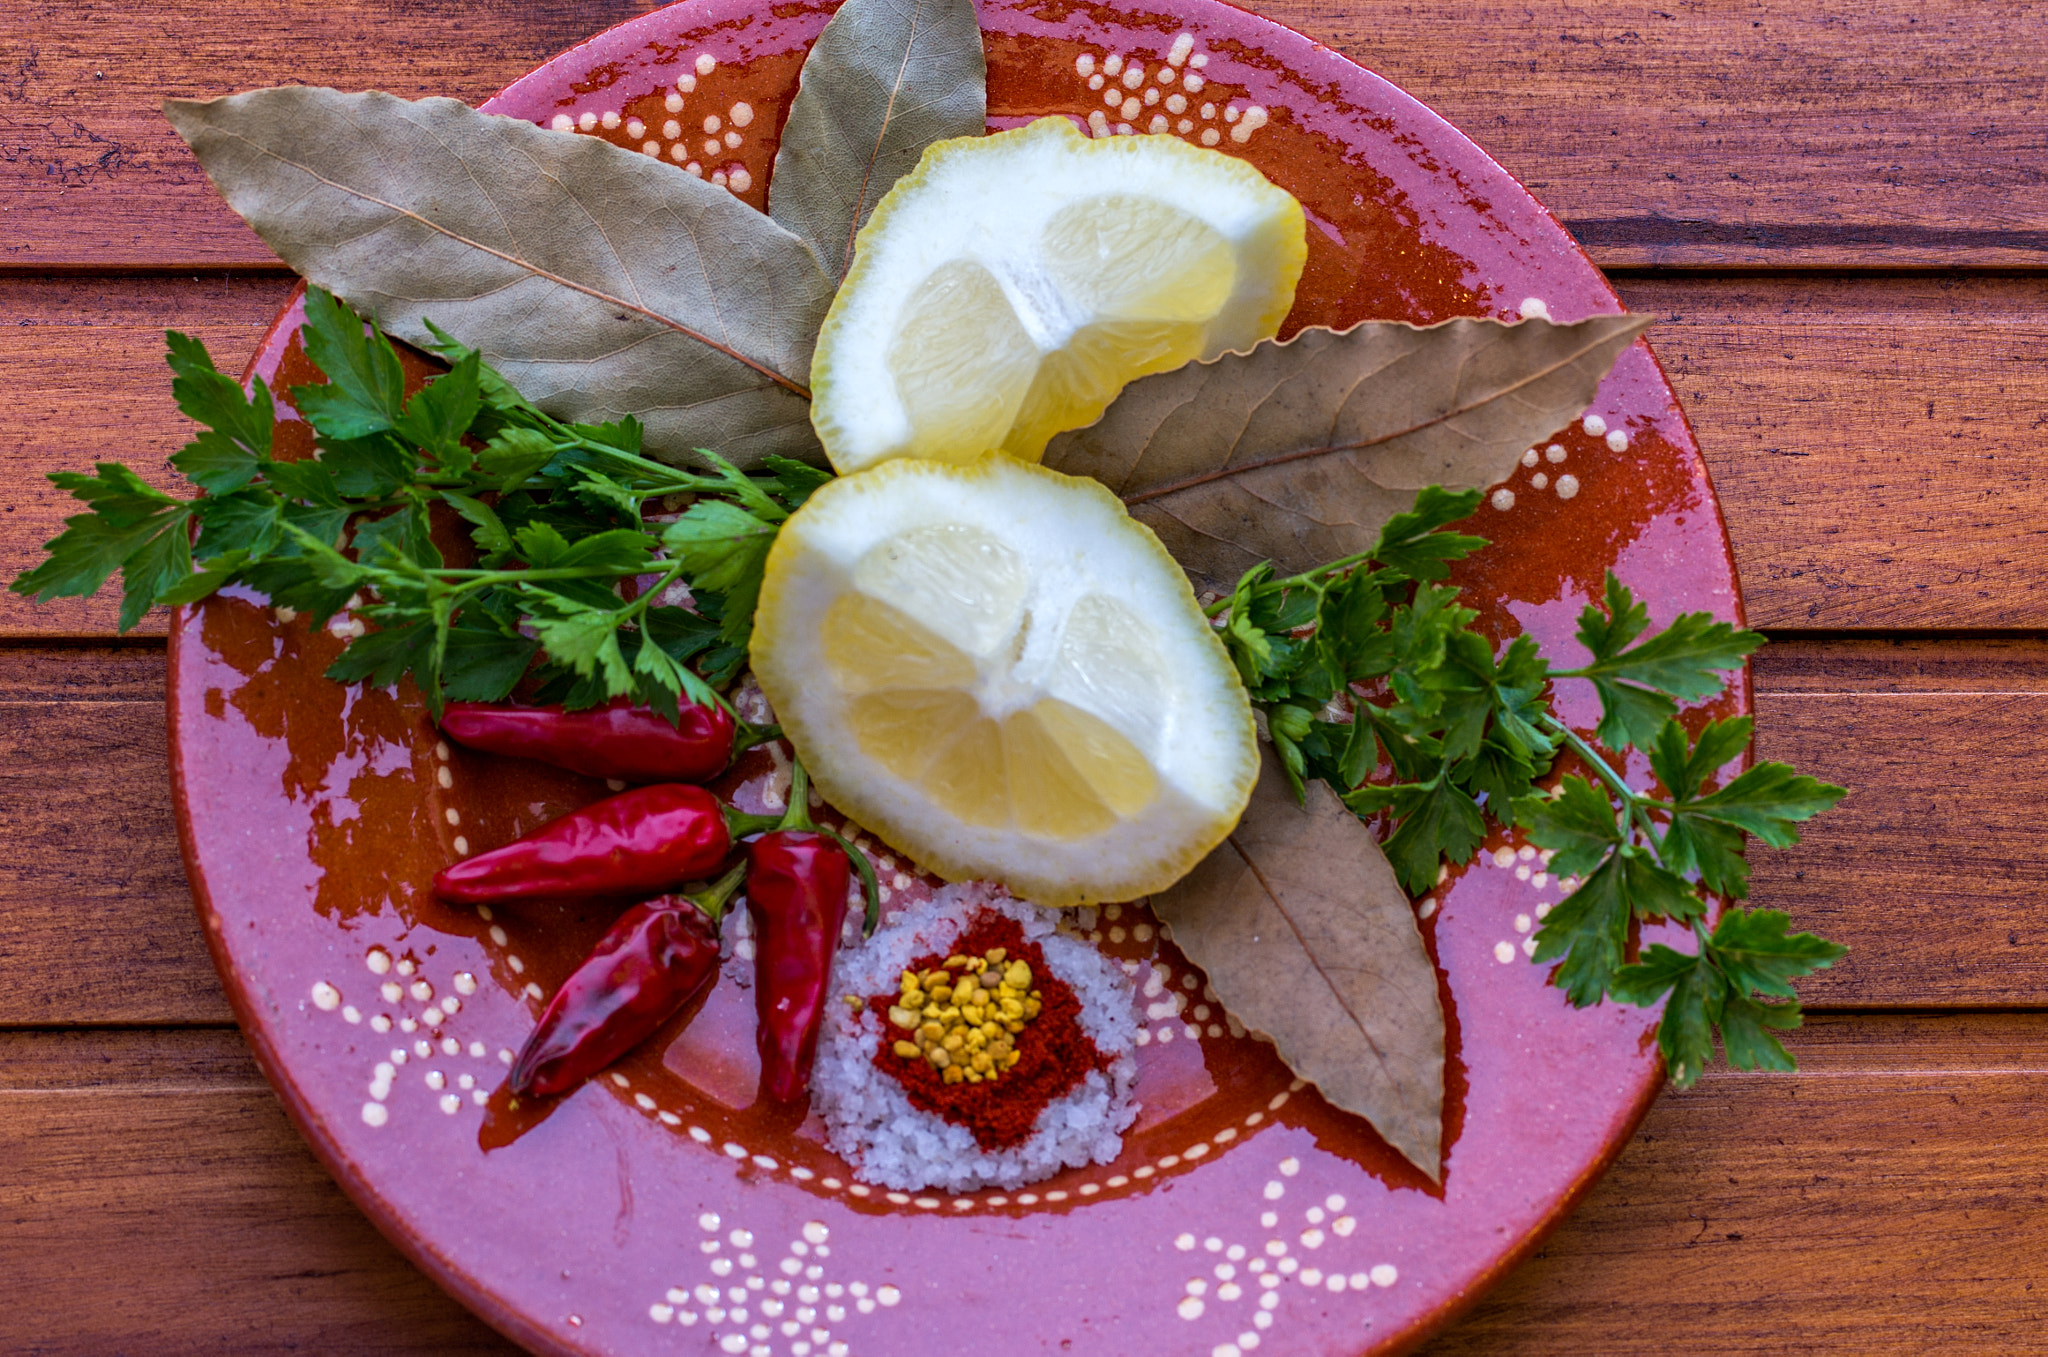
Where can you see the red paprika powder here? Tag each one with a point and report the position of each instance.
(1054, 1052)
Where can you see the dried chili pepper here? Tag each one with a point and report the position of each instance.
(797, 875)
(620, 739)
(658, 957)
(639, 842)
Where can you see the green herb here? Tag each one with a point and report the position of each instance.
(1452, 733)
(558, 513)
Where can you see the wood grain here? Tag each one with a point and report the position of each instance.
(1928, 871)
(96, 922)
(1705, 133)
(158, 1201)
(1849, 134)
(1874, 443)
(1889, 1197)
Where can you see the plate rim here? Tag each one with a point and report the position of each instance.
(511, 1322)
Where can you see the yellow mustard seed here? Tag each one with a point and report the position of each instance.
(964, 1016)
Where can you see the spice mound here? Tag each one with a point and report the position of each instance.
(985, 1050)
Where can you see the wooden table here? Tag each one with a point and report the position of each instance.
(1837, 210)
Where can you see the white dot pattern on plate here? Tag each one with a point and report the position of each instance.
(1247, 1298)
(794, 1304)
(1540, 470)
(1128, 86)
(1530, 866)
(655, 124)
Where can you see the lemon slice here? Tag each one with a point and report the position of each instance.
(998, 671)
(1009, 287)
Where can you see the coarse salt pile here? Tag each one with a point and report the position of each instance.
(869, 1116)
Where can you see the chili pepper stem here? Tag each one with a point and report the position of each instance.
(740, 824)
(798, 817)
(716, 897)
(746, 735)
(870, 889)
(798, 813)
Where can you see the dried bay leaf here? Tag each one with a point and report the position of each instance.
(1309, 940)
(1299, 452)
(601, 282)
(886, 79)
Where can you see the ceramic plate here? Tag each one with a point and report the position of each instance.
(658, 1210)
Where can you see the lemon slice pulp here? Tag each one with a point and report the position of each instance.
(1012, 284)
(1003, 675)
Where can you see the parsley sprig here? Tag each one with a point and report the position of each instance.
(1371, 677)
(561, 515)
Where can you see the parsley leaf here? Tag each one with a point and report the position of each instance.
(1637, 684)
(1748, 952)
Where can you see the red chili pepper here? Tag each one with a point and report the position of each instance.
(657, 958)
(621, 740)
(796, 895)
(639, 842)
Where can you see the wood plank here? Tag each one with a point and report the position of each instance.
(158, 1201)
(1886, 1198)
(1901, 664)
(1713, 133)
(86, 673)
(96, 923)
(1850, 505)
(1927, 871)
(1875, 443)
(85, 361)
(1704, 133)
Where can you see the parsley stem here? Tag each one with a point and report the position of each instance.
(647, 596)
(1635, 806)
(562, 573)
(1591, 757)
(667, 479)
(1308, 579)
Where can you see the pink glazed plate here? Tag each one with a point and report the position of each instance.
(658, 1209)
